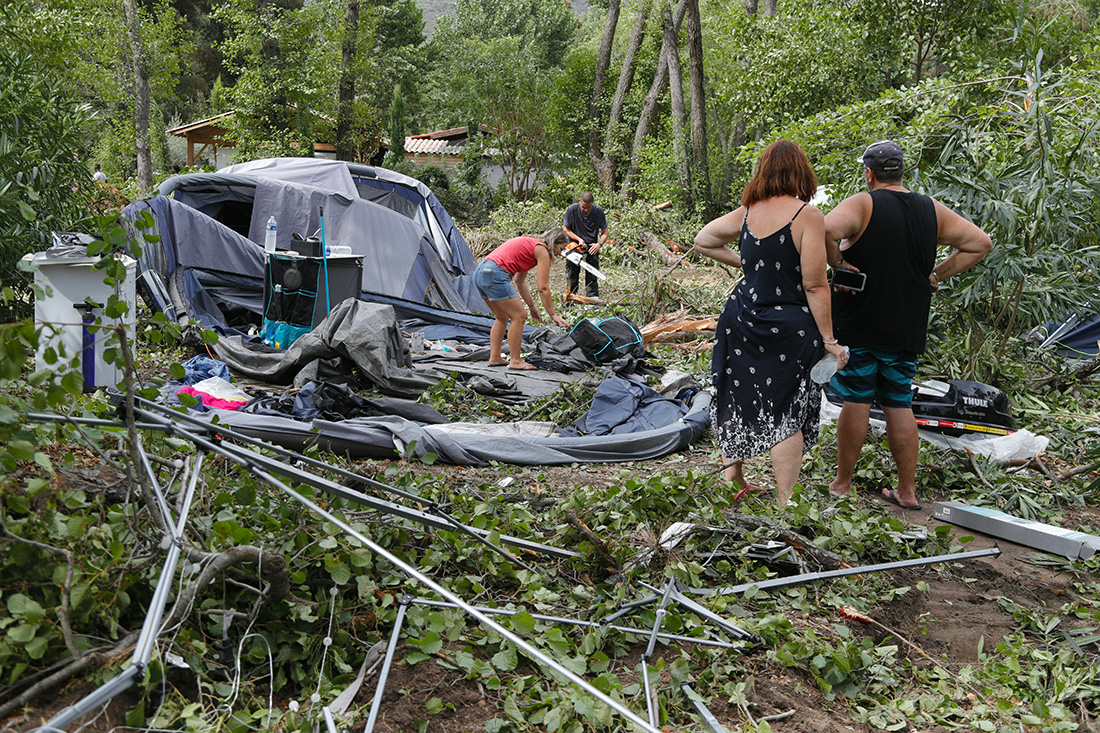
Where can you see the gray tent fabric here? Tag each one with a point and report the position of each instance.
(360, 333)
(211, 226)
(405, 195)
(391, 436)
(330, 175)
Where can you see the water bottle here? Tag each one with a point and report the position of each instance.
(825, 368)
(272, 235)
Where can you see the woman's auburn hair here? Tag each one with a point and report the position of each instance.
(783, 170)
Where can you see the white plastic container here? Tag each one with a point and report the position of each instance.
(70, 283)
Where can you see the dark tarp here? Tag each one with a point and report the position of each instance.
(1076, 336)
(651, 430)
(358, 333)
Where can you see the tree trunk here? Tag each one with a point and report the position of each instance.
(649, 108)
(676, 91)
(345, 145)
(770, 7)
(700, 188)
(734, 142)
(603, 62)
(750, 6)
(626, 78)
(141, 98)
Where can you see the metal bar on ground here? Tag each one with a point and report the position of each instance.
(143, 647)
(588, 624)
(384, 673)
(165, 512)
(650, 704)
(531, 651)
(443, 520)
(666, 596)
(87, 704)
(704, 713)
(93, 421)
(827, 574)
(626, 607)
(352, 495)
(330, 724)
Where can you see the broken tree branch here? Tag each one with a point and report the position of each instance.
(824, 558)
(1081, 373)
(80, 665)
(1074, 472)
(605, 556)
(66, 589)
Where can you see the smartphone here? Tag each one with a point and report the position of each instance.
(854, 281)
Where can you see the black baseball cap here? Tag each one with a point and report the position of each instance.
(885, 155)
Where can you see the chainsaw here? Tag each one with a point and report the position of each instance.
(575, 252)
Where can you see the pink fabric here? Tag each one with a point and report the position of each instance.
(211, 401)
(516, 255)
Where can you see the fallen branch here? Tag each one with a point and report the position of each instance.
(90, 661)
(657, 247)
(1079, 374)
(824, 558)
(609, 561)
(66, 589)
(272, 565)
(978, 470)
(1074, 472)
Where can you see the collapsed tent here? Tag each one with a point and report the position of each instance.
(627, 421)
(208, 263)
(1076, 336)
(395, 191)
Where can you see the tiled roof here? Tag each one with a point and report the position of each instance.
(428, 146)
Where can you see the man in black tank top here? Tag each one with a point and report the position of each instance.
(891, 235)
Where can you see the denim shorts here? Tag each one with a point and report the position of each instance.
(873, 374)
(493, 282)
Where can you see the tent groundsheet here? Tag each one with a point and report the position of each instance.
(641, 425)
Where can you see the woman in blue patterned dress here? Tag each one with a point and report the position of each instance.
(777, 322)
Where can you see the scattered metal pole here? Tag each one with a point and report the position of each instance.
(384, 673)
(650, 704)
(708, 717)
(330, 724)
(826, 574)
(439, 519)
(143, 648)
(531, 651)
(588, 624)
(650, 695)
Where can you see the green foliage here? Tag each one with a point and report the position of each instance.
(1029, 178)
(497, 82)
(45, 182)
(542, 27)
(284, 77)
(397, 125)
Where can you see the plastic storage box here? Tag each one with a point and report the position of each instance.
(72, 306)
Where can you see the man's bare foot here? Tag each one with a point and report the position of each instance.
(522, 366)
(840, 489)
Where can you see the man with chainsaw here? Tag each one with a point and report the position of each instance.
(586, 226)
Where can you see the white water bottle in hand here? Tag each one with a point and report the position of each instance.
(272, 235)
(825, 368)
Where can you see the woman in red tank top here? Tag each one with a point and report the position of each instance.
(501, 279)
